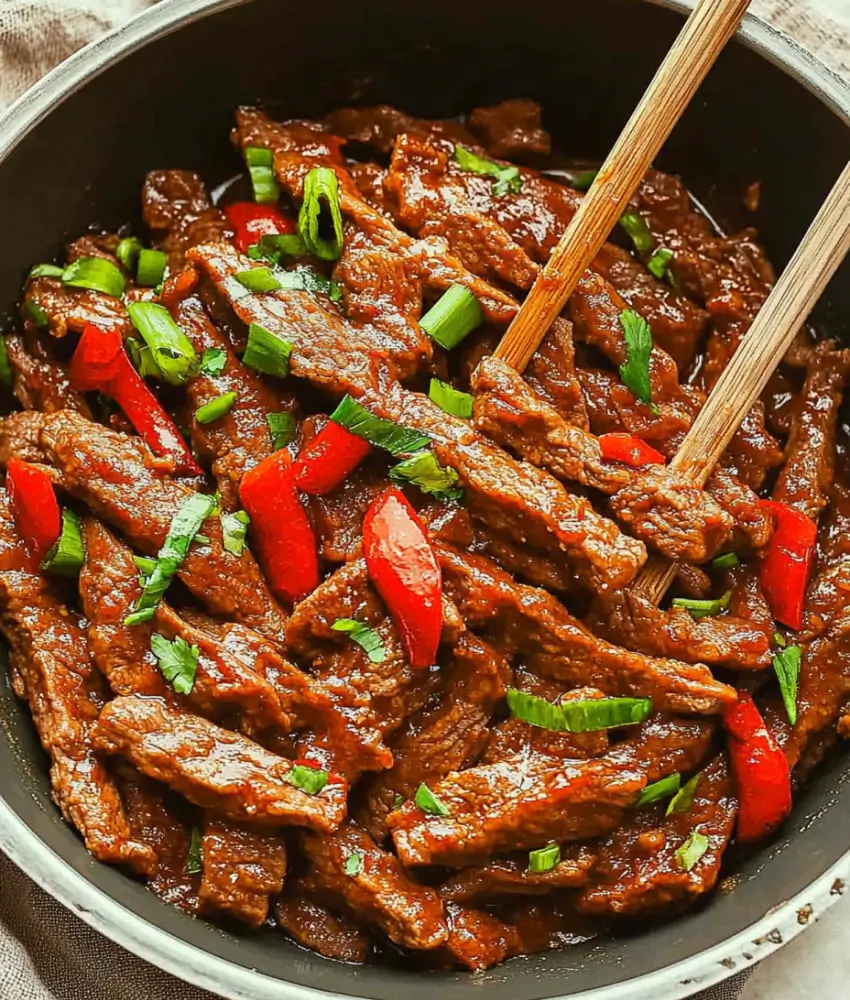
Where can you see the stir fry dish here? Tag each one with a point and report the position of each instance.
(326, 616)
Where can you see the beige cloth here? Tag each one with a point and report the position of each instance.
(46, 953)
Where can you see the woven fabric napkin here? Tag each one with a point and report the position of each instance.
(47, 953)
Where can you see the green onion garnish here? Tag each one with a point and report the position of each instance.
(274, 246)
(638, 231)
(354, 864)
(195, 857)
(584, 716)
(35, 313)
(151, 268)
(177, 660)
(684, 798)
(308, 779)
(96, 273)
(185, 525)
(780, 639)
(452, 317)
(544, 859)
(423, 470)
(281, 428)
(583, 180)
(266, 279)
(659, 790)
(786, 663)
(142, 358)
(46, 271)
(692, 850)
(5, 367)
(128, 251)
(449, 399)
(260, 163)
(507, 178)
(659, 261)
(428, 802)
(145, 565)
(266, 353)
(726, 561)
(320, 218)
(68, 554)
(366, 638)
(377, 431)
(699, 609)
(171, 350)
(216, 408)
(213, 361)
(234, 527)
(635, 372)
(258, 279)
(398, 802)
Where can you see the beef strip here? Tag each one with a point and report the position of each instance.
(380, 891)
(213, 767)
(512, 129)
(51, 668)
(70, 309)
(478, 939)
(20, 437)
(316, 928)
(177, 208)
(533, 623)
(511, 876)
(39, 381)
(661, 508)
(337, 517)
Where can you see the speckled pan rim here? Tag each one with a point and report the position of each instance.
(785, 920)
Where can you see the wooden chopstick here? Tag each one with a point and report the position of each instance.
(816, 259)
(707, 30)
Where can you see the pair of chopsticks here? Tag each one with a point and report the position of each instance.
(707, 30)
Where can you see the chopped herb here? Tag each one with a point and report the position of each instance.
(583, 716)
(382, 433)
(171, 349)
(398, 802)
(266, 353)
(726, 561)
(177, 660)
(659, 790)
(216, 408)
(273, 247)
(423, 470)
(684, 798)
(635, 372)
(659, 262)
(308, 779)
(96, 273)
(354, 864)
(780, 639)
(35, 313)
(507, 178)
(638, 231)
(544, 859)
(267, 279)
(5, 367)
(451, 400)
(583, 180)
(786, 663)
(452, 317)
(320, 218)
(258, 279)
(68, 554)
(213, 361)
(260, 164)
(202, 539)
(142, 358)
(366, 638)
(151, 268)
(195, 857)
(281, 429)
(234, 527)
(46, 271)
(428, 802)
(700, 608)
(144, 564)
(692, 850)
(128, 251)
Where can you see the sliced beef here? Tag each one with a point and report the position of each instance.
(478, 939)
(39, 381)
(316, 928)
(378, 126)
(512, 130)
(511, 876)
(337, 517)
(187, 753)
(178, 210)
(70, 309)
(20, 437)
(551, 373)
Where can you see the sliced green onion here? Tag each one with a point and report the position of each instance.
(151, 268)
(428, 802)
(786, 663)
(583, 180)
(507, 178)
(35, 313)
(258, 279)
(692, 850)
(308, 779)
(585, 716)
(46, 271)
(185, 525)
(171, 350)
(266, 279)
(68, 554)
(5, 367)
(178, 662)
(195, 858)
(635, 372)
(320, 218)
(684, 798)
(398, 802)
(216, 408)
(659, 261)
(366, 638)
(451, 400)
(266, 353)
(423, 470)
(699, 609)
(354, 863)
(726, 561)
(281, 428)
(142, 358)
(96, 273)
(452, 317)
(260, 162)
(276, 245)
(213, 361)
(234, 527)
(377, 431)
(659, 790)
(544, 859)
(780, 639)
(638, 231)
(128, 251)
(144, 564)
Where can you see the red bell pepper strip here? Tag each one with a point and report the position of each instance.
(403, 566)
(100, 363)
(35, 507)
(629, 449)
(250, 221)
(761, 771)
(784, 572)
(329, 459)
(281, 533)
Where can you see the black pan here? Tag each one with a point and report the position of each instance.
(161, 93)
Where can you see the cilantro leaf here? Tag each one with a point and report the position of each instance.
(177, 660)
(366, 638)
(423, 470)
(213, 361)
(233, 530)
(635, 372)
